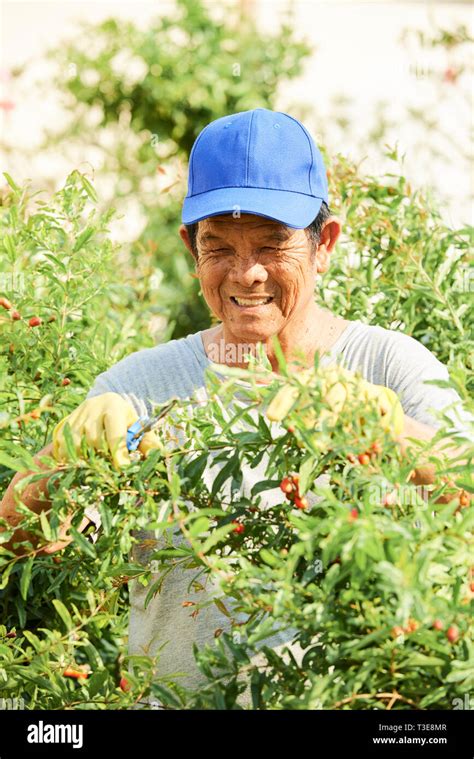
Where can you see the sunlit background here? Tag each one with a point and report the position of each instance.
(378, 74)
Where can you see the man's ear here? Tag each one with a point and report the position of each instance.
(183, 233)
(327, 240)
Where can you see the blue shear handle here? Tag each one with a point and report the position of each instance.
(132, 441)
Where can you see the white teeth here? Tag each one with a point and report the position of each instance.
(251, 301)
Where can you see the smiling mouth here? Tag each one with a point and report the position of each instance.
(251, 302)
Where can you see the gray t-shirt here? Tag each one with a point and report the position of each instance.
(153, 375)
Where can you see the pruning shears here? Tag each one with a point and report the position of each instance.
(145, 423)
(134, 435)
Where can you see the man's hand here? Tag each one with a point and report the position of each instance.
(103, 421)
(340, 386)
(425, 471)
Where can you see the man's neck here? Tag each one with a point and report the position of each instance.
(317, 331)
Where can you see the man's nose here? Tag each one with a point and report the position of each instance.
(247, 271)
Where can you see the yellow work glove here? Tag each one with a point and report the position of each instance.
(104, 421)
(339, 386)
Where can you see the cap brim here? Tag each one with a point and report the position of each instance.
(291, 208)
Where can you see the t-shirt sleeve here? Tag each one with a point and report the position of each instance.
(409, 365)
(152, 376)
(127, 378)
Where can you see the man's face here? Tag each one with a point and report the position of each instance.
(256, 274)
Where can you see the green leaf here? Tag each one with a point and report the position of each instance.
(33, 639)
(465, 485)
(154, 588)
(241, 413)
(9, 245)
(84, 545)
(26, 577)
(199, 525)
(5, 576)
(264, 428)
(268, 557)
(89, 188)
(63, 613)
(40, 682)
(226, 472)
(105, 517)
(222, 608)
(417, 659)
(70, 447)
(11, 182)
(45, 526)
(280, 356)
(237, 650)
(216, 537)
(306, 474)
(263, 485)
(83, 238)
(96, 683)
(126, 569)
(15, 464)
(165, 696)
(195, 468)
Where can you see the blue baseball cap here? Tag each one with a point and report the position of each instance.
(259, 162)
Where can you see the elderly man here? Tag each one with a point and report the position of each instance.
(257, 223)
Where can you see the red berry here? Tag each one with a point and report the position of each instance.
(412, 625)
(35, 321)
(472, 587)
(16, 315)
(5, 303)
(301, 503)
(364, 458)
(286, 485)
(77, 674)
(124, 684)
(290, 429)
(65, 381)
(353, 514)
(437, 624)
(463, 498)
(452, 633)
(376, 447)
(450, 75)
(238, 526)
(396, 631)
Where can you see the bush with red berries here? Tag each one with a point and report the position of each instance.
(370, 578)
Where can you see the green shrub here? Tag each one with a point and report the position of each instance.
(380, 569)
